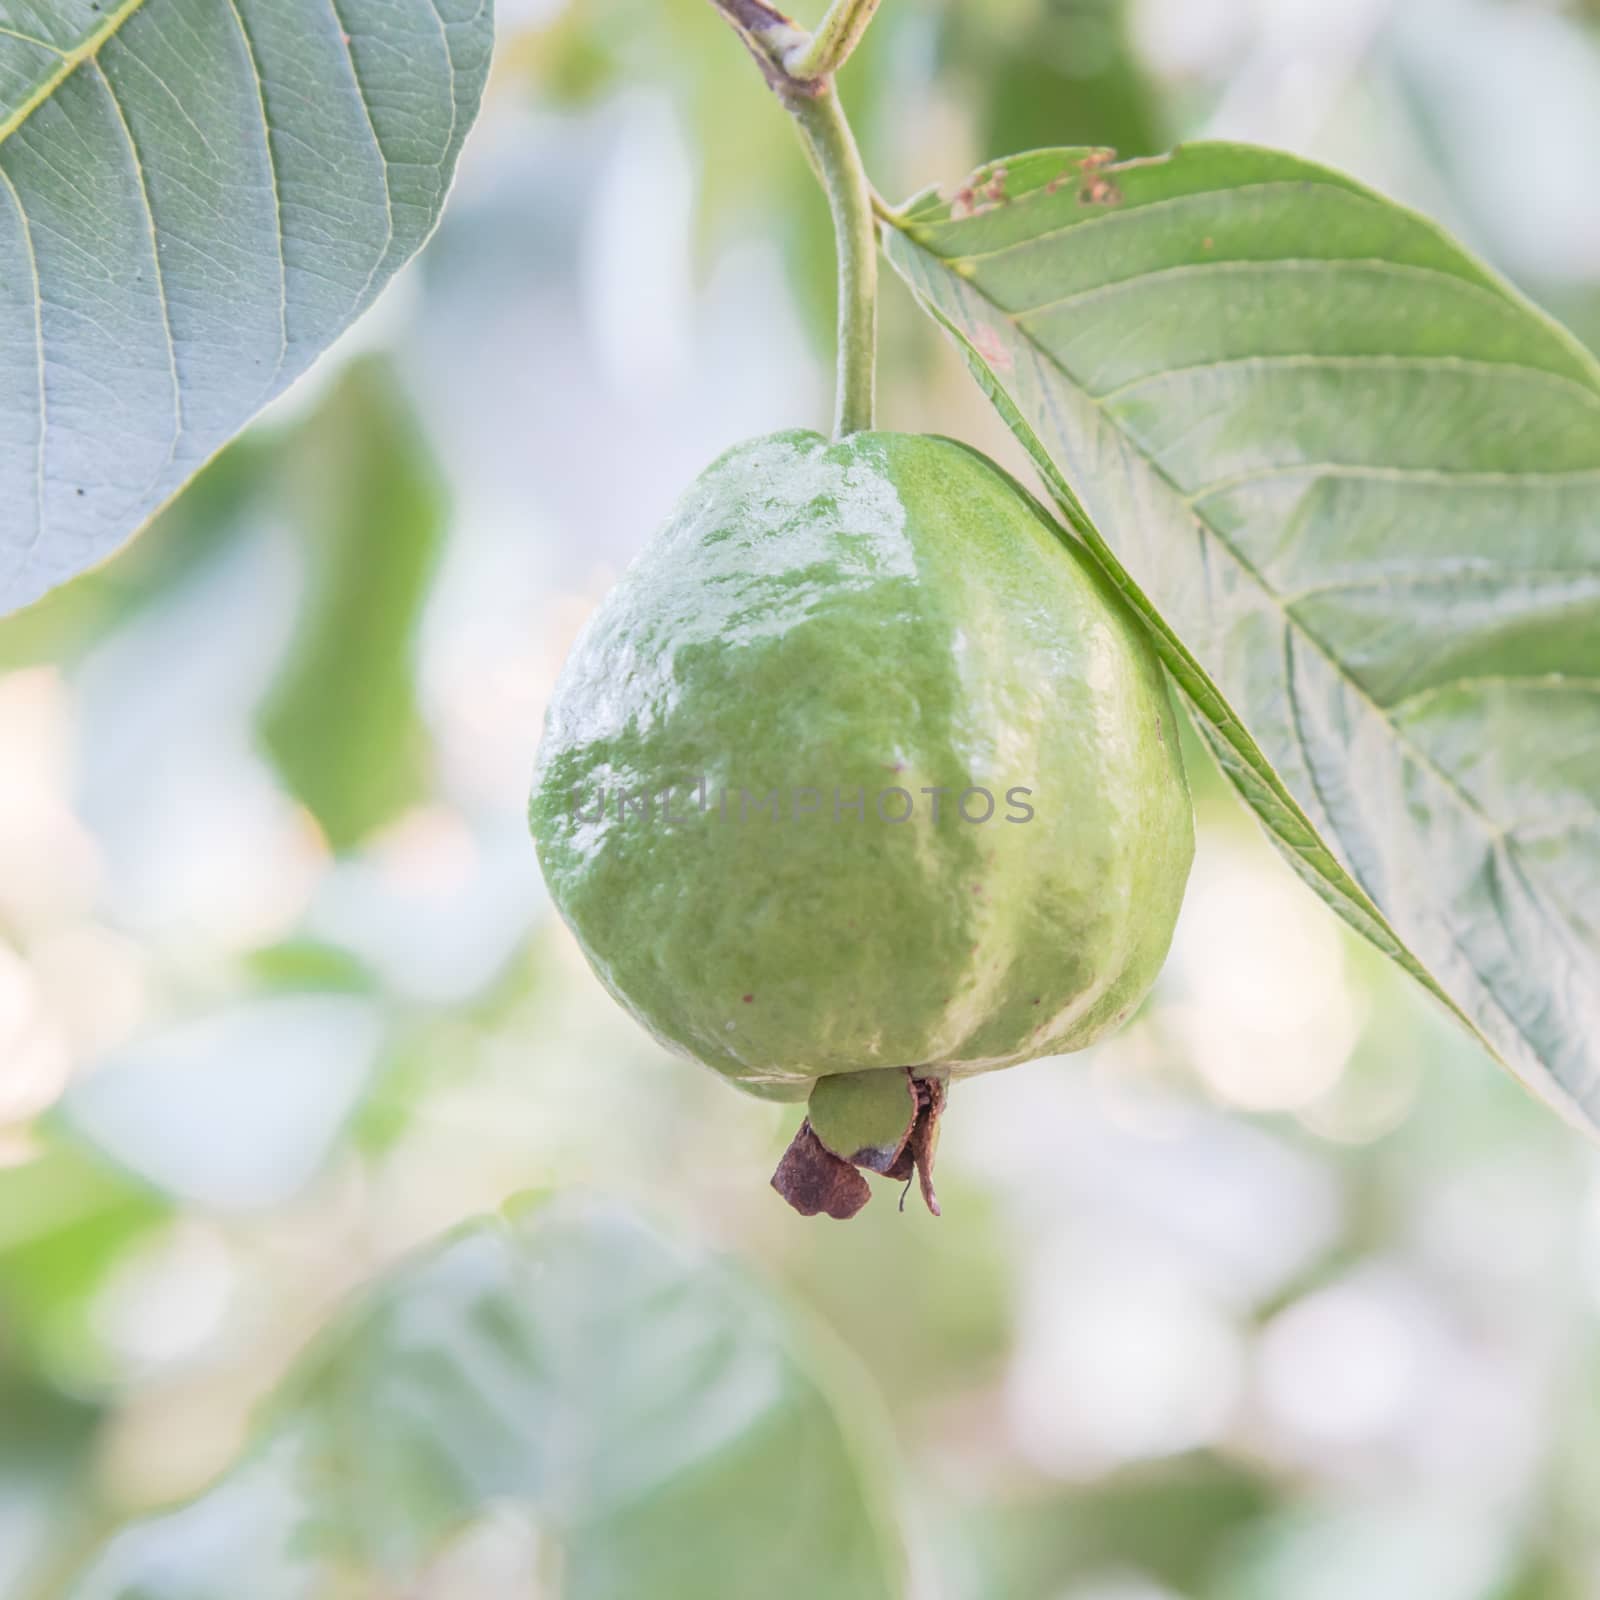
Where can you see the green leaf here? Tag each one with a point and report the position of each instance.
(196, 197)
(666, 1422)
(1171, 1522)
(65, 1224)
(1349, 479)
(342, 723)
(1323, 1548)
(1059, 70)
(46, 1456)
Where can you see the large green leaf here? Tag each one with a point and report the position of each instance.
(1350, 479)
(196, 197)
(663, 1420)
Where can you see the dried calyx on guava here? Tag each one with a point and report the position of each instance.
(883, 1122)
(863, 780)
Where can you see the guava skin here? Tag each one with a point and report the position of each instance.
(889, 610)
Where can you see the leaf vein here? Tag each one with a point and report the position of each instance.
(1558, 681)
(450, 56)
(1312, 360)
(71, 60)
(1267, 265)
(28, 38)
(1361, 470)
(27, 550)
(236, 7)
(377, 144)
(160, 274)
(1451, 568)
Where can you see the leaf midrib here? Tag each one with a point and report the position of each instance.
(69, 63)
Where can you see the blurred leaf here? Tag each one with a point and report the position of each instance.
(310, 965)
(245, 1539)
(1065, 72)
(65, 1222)
(742, 142)
(751, 178)
(570, 60)
(1545, 1580)
(951, 1283)
(46, 1444)
(238, 1110)
(666, 1421)
(1470, 70)
(195, 200)
(1517, 67)
(342, 723)
(1169, 1523)
(1348, 478)
(1381, 1552)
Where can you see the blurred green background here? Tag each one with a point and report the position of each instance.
(1286, 1294)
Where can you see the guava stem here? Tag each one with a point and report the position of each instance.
(800, 68)
(832, 148)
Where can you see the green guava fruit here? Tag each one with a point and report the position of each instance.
(864, 779)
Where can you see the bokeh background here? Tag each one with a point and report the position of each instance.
(1286, 1294)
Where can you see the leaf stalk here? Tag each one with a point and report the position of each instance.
(831, 45)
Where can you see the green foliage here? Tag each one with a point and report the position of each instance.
(749, 172)
(342, 723)
(557, 1364)
(172, 259)
(1347, 476)
(46, 1444)
(569, 1362)
(1056, 72)
(1175, 1522)
(65, 1219)
(309, 966)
